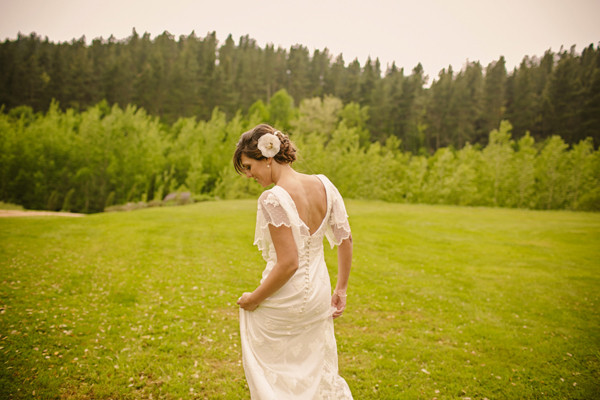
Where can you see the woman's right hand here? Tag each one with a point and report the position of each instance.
(246, 301)
(338, 300)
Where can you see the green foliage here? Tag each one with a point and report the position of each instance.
(110, 200)
(445, 302)
(53, 201)
(233, 186)
(67, 203)
(9, 206)
(259, 111)
(584, 163)
(551, 182)
(497, 155)
(317, 115)
(523, 173)
(189, 76)
(355, 116)
(281, 110)
(106, 156)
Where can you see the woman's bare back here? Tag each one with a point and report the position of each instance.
(310, 198)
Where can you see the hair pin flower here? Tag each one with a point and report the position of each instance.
(269, 145)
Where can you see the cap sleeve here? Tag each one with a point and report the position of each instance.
(338, 227)
(270, 212)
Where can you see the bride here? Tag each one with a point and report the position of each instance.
(286, 323)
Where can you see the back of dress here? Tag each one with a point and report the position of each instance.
(288, 344)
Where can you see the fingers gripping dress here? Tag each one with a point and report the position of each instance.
(288, 344)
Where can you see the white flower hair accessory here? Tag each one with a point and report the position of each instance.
(269, 145)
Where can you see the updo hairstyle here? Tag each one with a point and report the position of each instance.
(248, 146)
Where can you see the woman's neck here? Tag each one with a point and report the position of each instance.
(283, 173)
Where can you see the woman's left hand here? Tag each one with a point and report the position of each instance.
(338, 301)
(246, 302)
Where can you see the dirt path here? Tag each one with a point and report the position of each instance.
(21, 213)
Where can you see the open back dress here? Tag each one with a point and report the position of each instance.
(288, 344)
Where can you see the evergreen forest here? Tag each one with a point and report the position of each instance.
(85, 127)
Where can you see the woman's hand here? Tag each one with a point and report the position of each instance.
(247, 302)
(338, 300)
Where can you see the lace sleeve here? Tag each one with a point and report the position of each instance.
(270, 212)
(338, 227)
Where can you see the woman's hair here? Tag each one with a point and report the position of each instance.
(248, 146)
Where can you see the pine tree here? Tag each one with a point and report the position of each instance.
(494, 105)
(563, 98)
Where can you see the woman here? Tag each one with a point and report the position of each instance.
(288, 345)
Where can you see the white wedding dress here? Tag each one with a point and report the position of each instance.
(288, 345)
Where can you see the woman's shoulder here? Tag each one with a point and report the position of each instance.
(274, 196)
(267, 193)
(327, 183)
(324, 179)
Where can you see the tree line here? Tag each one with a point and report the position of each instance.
(89, 160)
(557, 94)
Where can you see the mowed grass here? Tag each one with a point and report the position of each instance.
(444, 302)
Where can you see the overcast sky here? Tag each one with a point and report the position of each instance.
(434, 32)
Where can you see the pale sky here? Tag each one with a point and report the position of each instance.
(434, 32)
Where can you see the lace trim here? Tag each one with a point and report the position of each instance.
(272, 210)
(272, 200)
(338, 228)
(263, 242)
(338, 235)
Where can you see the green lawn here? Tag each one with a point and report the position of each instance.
(444, 302)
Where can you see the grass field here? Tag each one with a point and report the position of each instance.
(444, 302)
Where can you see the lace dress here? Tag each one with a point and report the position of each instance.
(288, 344)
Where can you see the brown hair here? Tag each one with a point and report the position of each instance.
(248, 146)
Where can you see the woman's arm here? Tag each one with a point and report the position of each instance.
(338, 299)
(284, 269)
